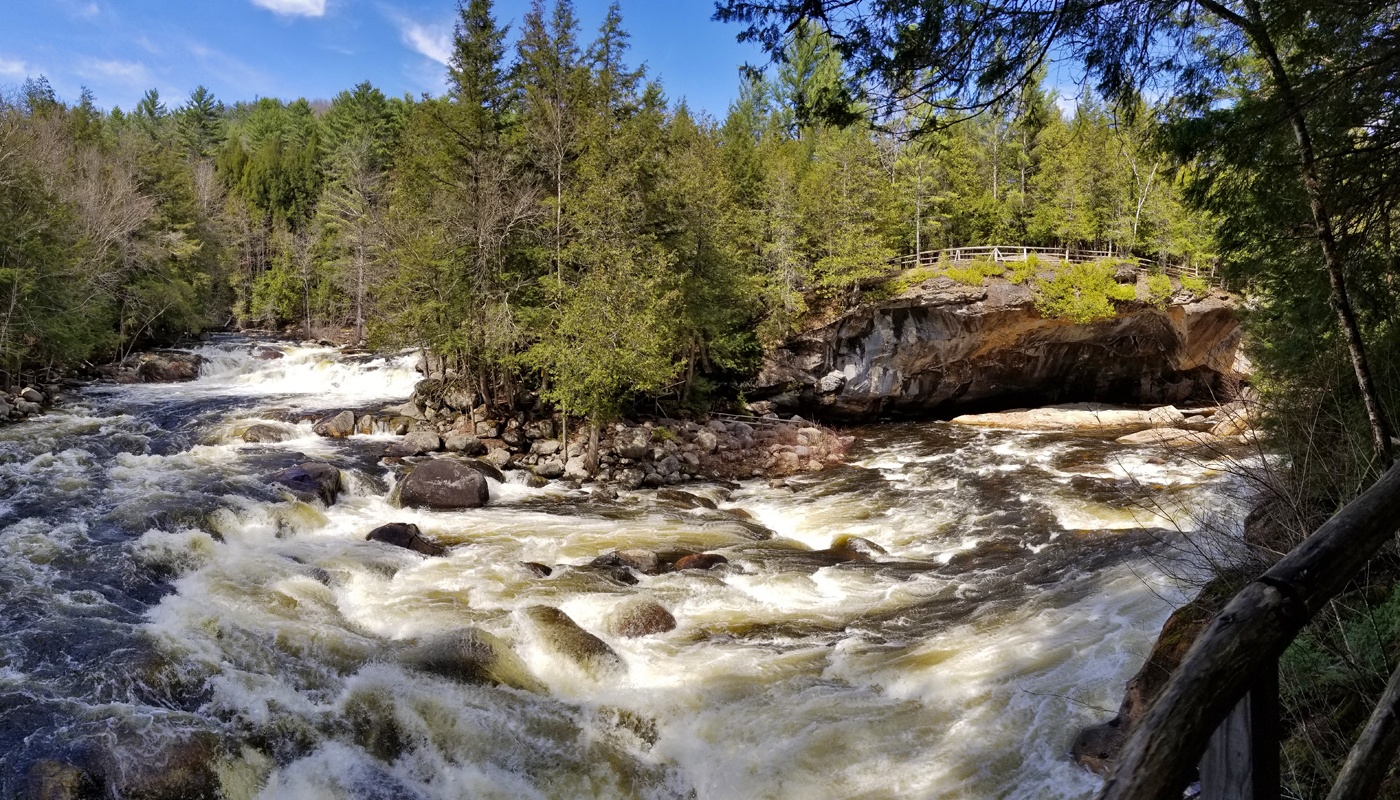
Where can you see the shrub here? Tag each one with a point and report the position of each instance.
(1196, 286)
(975, 272)
(1023, 271)
(909, 279)
(1081, 293)
(1159, 290)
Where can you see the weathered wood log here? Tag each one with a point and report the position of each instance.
(1252, 630)
(1374, 752)
(1242, 759)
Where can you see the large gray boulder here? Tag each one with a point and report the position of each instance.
(311, 480)
(632, 443)
(444, 484)
(336, 426)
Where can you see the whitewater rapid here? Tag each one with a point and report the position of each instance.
(157, 586)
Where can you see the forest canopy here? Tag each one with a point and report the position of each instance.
(552, 221)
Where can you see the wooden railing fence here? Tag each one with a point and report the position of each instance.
(953, 256)
(1222, 701)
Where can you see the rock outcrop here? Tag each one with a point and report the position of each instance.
(947, 349)
(163, 367)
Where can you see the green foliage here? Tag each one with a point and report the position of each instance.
(1024, 270)
(975, 272)
(1159, 289)
(1195, 285)
(1081, 293)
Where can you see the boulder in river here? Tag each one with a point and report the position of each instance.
(639, 616)
(416, 443)
(336, 426)
(700, 561)
(1178, 437)
(406, 535)
(311, 480)
(265, 353)
(31, 394)
(563, 637)
(470, 655)
(180, 768)
(57, 780)
(647, 562)
(168, 367)
(444, 484)
(266, 434)
(685, 499)
(1071, 417)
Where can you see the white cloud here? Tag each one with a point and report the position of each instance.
(433, 41)
(130, 72)
(294, 8)
(13, 68)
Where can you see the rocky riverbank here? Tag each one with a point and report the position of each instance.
(445, 417)
(25, 403)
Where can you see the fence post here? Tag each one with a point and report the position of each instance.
(1242, 760)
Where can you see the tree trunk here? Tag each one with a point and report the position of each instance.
(1340, 299)
(590, 462)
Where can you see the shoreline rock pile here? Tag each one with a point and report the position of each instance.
(25, 403)
(443, 417)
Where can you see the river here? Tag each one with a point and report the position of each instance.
(157, 588)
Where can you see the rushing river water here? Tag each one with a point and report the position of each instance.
(157, 588)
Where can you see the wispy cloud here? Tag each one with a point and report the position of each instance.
(13, 68)
(129, 72)
(294, 8)
(244, 78)
(433, 41)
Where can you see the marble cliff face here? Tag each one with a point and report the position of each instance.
(943, 349)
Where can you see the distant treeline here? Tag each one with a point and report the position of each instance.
(553, 221)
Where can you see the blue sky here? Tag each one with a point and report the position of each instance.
(242, 49)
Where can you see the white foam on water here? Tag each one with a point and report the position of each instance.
(783, 678)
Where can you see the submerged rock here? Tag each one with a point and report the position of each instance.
(685, 499)
(1178, 437)
(639, 616)
(700, 561)
(563, 637)
(311, 480)
(444, 484)
(266, 434)
(405, 535)
(471, 655)
(647, 562)
(49, 779)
